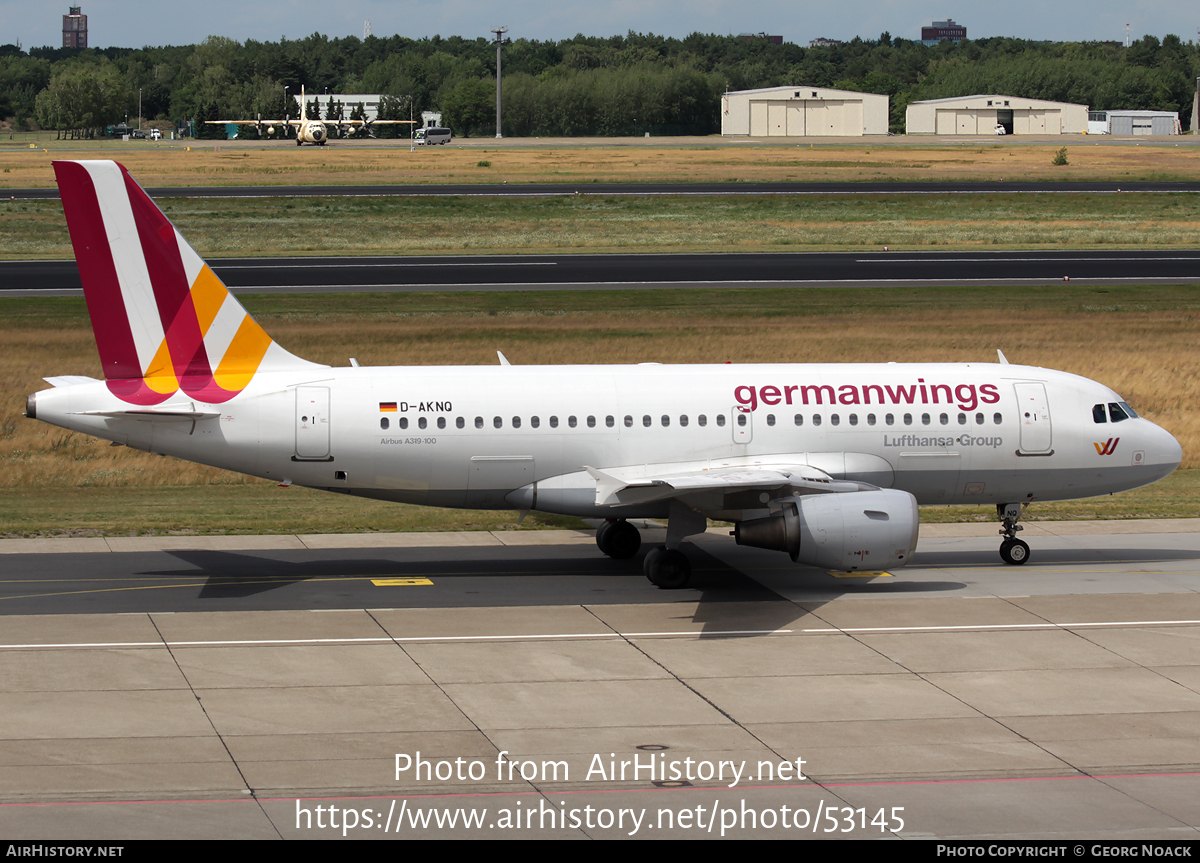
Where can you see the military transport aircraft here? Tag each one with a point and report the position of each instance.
(311, 131)
(826, 463)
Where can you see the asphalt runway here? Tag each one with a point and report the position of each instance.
(600, 272)
(497, 684)
(541, 190)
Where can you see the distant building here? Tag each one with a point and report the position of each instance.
(431, 119)
(940, 30)
(822, 42)
(370, 103)
(803, 112)
(982, 114)
(774, 40)
(1134, 123)
(74, 29)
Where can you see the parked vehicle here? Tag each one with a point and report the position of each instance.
(433, 135)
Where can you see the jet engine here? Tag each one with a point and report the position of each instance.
(853, 530)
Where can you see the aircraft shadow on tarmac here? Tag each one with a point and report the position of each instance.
(722, 599)
(957, 558)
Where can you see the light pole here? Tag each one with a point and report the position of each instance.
(499, 31)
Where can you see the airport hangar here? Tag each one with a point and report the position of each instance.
(980, 114)
(803, 112)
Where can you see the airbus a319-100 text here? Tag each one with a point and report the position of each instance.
(826, 463)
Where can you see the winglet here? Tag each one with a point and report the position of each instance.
(163, 320)
(1003, 359)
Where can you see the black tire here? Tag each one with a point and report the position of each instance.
(603, 537)
(624, 540)
(668, 568)
(1014, 552)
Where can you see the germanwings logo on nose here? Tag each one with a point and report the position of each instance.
(1108, 447)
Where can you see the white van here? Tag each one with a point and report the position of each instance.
(433, 135)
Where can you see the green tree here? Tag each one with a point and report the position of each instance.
(82, 98)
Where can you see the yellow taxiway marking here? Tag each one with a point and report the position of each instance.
(860, 573)
(398, 582)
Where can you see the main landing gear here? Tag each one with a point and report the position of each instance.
(667, 567)
(1012, 550)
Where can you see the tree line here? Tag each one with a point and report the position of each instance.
(619, 85)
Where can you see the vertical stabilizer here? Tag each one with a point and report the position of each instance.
(163, 320)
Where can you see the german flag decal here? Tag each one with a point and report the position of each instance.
(387, 407)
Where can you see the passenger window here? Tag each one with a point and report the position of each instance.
(459, 422)
(441, 422)
(553, 422)
(535, 422)
(721, 420)
(978, 419)
(742, 420)
(770, 419)
(591, 421)
(1098, 415)
(383, 423)
(816, 419)
(497, 422)
(572, 422)
(683, 420)
(646, 420)
(853, 419)
(962, 419)
(1115, 413)
(478, 422)
(890, 419)
(870, 419)
(610, 422)
(702, 420)
(799, 419)
(666, 420)
(628, 421)
(516, 422)
(944, 419)
(924, 419)
(403, 422)
(908, 419)
(997, 419)
(835, 420)
(422, 422)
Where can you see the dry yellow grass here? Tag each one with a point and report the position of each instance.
(1149, 357)
(579, 161)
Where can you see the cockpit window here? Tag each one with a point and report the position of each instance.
(1129, 412)
(1116, 413)
(1098, 414)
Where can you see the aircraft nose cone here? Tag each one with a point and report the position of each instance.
(1163, 451)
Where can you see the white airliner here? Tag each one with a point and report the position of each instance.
(824, 462)
(311, 130)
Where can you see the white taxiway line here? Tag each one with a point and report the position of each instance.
(829, 630)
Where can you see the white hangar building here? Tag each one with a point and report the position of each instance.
(980, 115)
(798, 112)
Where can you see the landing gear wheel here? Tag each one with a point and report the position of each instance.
(1014, 551)
(667, 568)
(624, 540)
(602, 537)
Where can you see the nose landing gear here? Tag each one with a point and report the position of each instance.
(1012, 550)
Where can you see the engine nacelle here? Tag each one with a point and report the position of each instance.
(856, 530)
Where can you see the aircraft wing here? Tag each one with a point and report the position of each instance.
(647, 483)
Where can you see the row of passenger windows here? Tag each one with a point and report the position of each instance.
(702, 420)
